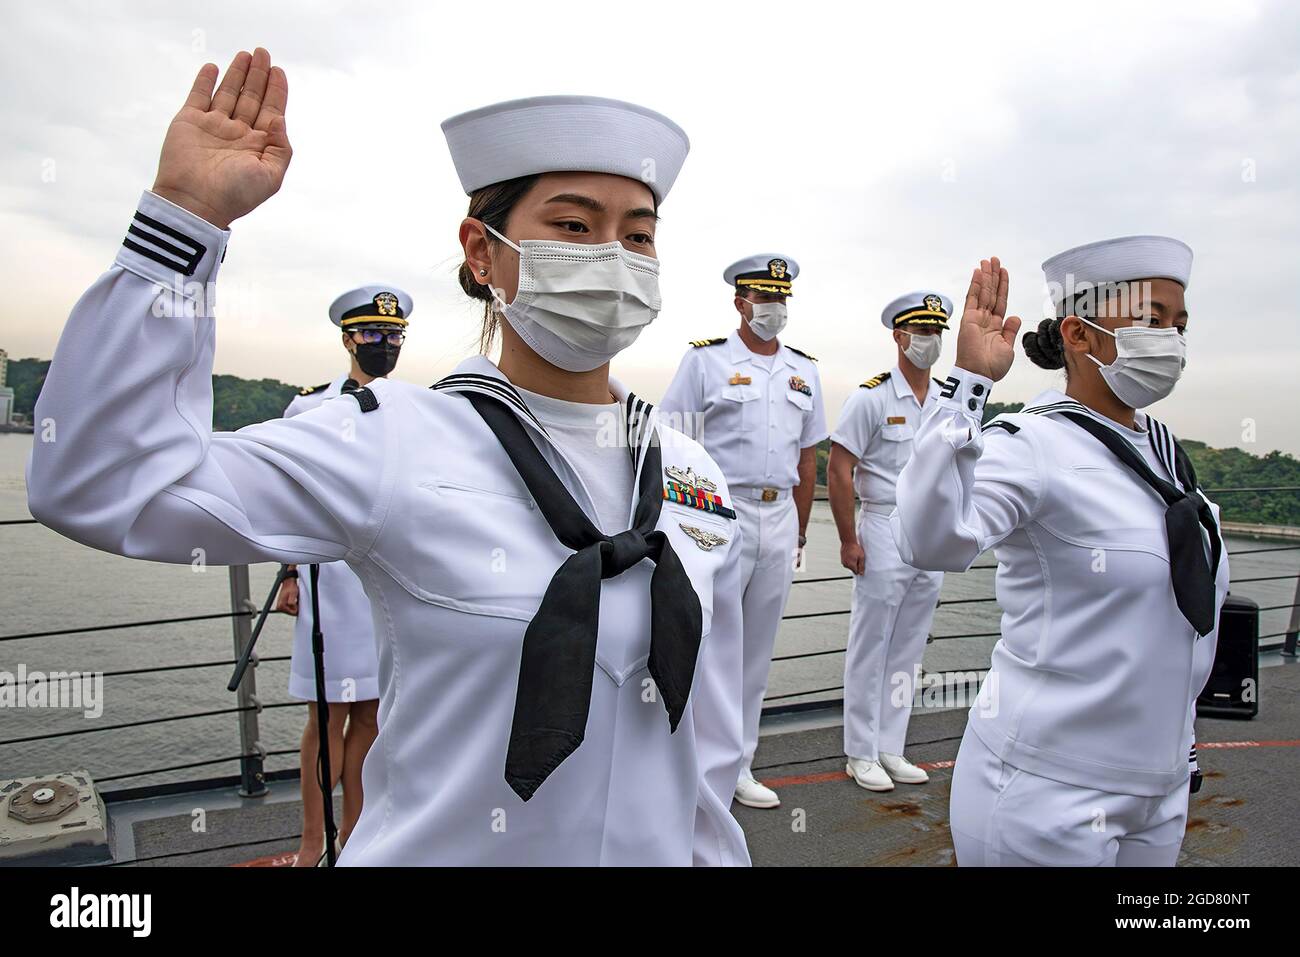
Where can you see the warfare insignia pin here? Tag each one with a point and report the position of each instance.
(738, 379)
(694, 491)
(706, 540)
(797, 383)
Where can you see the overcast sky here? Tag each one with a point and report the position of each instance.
(883, 148)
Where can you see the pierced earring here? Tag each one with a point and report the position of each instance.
(482, 272)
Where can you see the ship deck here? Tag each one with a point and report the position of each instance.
(1245, 813)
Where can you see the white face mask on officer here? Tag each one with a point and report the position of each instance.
(580, 305)
(923, 351)
(767, 319)
(1148, 363)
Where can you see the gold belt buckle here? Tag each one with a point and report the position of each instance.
(769, 495)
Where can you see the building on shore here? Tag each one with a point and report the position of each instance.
(6, 393)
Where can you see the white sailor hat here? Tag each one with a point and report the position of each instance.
(546, 134)
(764, 272)
(371, 305)
(1116, 260)
(919, 308)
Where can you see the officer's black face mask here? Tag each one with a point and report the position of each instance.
(377, 359)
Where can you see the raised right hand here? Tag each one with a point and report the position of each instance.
(986, 341)
(225, 155)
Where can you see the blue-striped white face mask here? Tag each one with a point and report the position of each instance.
(1148, 363)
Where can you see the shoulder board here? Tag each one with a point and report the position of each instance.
(800, 352)
(365, 398)
(313, 389)
(701, 343)
(875, 380)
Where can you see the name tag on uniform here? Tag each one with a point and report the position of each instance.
(738, 379)
(896, 420)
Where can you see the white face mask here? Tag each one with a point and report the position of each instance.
(1148, 363)
(923, 351)
(578, 306)
(767, 319)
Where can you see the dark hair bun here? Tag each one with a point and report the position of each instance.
(1044, 347)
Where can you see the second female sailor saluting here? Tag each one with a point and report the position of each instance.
(1111, 566)
(528, 577)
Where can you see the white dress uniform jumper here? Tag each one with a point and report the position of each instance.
(1080, 748)
(351, 659)
(754, 414)
(893, 603)
(436, 511)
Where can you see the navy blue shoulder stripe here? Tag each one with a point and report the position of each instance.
(1057, 407)
(1010, 427)
(496, 388)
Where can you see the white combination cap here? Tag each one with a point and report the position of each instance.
(919, 308)
(371, 305)
(763, 272)
(1117, 260)
(548, 134)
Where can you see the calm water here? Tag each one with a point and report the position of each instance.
(51, 583)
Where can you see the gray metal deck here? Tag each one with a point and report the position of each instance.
(1245, 814)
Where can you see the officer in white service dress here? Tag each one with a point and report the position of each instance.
(1111, 565)
(893, 603)
(559, 684)
(756, 406)
(372, 320)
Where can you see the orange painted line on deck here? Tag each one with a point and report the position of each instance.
(272, 860)
(1209, 745)
(286, 860)
(840, 775)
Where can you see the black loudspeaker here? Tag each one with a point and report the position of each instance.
(1232, 690)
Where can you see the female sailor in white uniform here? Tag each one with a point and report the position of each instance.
(559, 647)
(1111, 566)
(372, 320)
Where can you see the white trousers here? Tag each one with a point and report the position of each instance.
(1005, 817)
(893, 606)
(771, 537)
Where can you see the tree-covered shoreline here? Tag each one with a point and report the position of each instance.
(238, 402)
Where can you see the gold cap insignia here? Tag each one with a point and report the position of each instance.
(777, 268)
(934, 304)
(386, 304)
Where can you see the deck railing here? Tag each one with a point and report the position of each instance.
(252, 756)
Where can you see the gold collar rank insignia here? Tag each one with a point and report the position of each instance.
(386, 304)
(706, 540)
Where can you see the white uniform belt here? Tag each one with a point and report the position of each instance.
(760, 493)
(878, 508)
